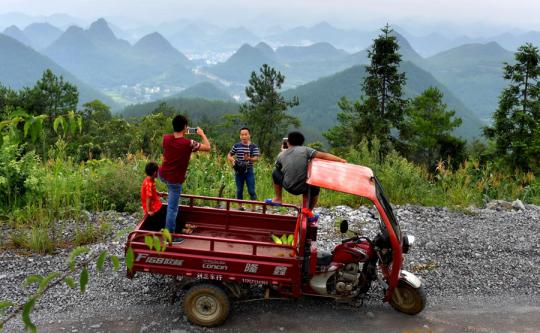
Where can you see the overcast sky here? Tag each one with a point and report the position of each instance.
(521, 14)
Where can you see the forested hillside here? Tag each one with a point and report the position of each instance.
(318, 100)
(206, 90)
(474, 73)
(196, 108)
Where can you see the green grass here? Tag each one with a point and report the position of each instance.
(61, 189)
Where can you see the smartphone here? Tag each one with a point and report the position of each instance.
(285, 143)
(192, 130)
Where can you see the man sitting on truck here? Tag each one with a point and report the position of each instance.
(291, 170)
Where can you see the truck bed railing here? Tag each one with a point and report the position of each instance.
(191, 199)
(134, 237)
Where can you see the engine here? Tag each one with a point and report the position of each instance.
(348, 280)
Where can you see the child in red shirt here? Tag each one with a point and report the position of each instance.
(151, 204)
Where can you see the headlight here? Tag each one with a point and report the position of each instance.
(408, 241)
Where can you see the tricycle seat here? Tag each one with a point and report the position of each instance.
(324, 258)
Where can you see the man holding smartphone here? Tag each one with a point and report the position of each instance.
(242, 156)
(291, 169)
(176, 154)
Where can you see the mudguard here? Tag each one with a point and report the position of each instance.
(410, 279)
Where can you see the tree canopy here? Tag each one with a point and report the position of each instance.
(427, 127)
(516, 123)
(265, 112)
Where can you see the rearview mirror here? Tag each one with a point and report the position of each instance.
(344, 226)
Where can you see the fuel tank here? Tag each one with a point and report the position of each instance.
(359, 250)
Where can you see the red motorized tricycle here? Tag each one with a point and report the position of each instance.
(232, 250)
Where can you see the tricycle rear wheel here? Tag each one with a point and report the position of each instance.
(408, 299)
(206, 305)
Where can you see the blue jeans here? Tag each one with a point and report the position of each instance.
(249, 178)
(173, 197)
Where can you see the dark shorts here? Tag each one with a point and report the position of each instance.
(312, 191)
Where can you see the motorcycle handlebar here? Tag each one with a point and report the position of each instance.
(349, 239)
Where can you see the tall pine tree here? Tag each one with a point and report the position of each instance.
(381, 107)
(516, 123)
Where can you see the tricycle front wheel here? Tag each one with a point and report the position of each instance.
(408, 299)
(206, 305)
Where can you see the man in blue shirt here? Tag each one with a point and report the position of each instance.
(242, 156)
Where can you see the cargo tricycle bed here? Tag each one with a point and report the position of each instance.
(227, 247)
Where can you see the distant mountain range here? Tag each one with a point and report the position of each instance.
(22, 20)
(323, 32)
(41, 35)
(21, 66)
(97, 56)
(318, 100)
(239, 66)
(474, 73)
(206, 90)
(435, 42)
(300, 64)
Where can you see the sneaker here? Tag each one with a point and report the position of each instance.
(177, 241)
(241, 209)
(314, 218)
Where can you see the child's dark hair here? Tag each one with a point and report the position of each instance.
(244, 128)
(296, 138)
(151, 168)
(179, 123)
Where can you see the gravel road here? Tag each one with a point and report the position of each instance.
(480, 268)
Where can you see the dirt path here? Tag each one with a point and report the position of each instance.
(311, 316)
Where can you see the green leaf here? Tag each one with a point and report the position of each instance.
(149, 241)
(58, 122)
(129, 258)
(157, 244)
(73, 126)
(27, 124)
(27, 309)
(46, 280)
(31, 279)
(101, 260)
(116, 262)
(18, 113)
(83, 279)
(35, 131)
(76, 252)
(100, 263)
(167, 235)
(79, 122)
(70, 282)
(4, 304)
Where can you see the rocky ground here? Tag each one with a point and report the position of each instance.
(466, 257)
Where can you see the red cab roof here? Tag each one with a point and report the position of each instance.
(342, 177)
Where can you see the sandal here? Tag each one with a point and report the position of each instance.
(187, 231)
(271, 203)
(190, 226)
